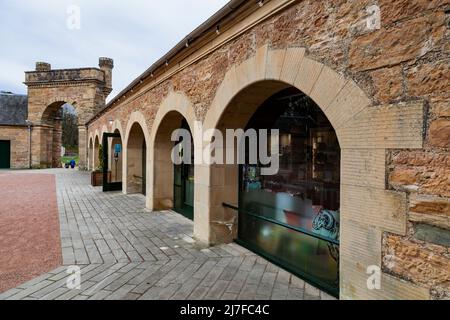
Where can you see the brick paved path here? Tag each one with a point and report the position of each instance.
(126, 252)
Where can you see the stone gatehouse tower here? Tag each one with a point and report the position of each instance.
(85, 89)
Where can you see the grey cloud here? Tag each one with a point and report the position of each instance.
(134, 33)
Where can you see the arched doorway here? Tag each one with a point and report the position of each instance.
(136, 160)
(291, 217)
(96, 162)
(115, 157)
(91, 155)
(365, 133)
(183, 180)
(178, 195)
(60, 131)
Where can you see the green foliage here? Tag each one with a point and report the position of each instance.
(100, 158)
(69, 127)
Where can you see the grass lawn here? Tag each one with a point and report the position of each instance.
(66, 159)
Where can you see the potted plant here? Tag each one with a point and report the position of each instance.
(97, 174)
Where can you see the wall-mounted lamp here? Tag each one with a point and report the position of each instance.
(218, 29)
(261, 3)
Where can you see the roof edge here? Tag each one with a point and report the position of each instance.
(211, 22)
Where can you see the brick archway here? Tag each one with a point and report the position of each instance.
(48, 90)
(365, 133)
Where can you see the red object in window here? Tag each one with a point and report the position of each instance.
(292, 218)
(297, 220)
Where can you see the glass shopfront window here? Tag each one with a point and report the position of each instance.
(293, 216)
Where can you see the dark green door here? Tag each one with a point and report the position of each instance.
(183, 185)
(144, 168)
(184, 190)
(5, 154)
(110, 164)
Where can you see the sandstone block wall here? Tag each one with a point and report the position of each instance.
(400, 59)
(19, 137)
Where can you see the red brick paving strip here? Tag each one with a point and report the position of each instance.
(29, 228)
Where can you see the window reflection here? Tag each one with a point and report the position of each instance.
(307, 184)
(305, 192)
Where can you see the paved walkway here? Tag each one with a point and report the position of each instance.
(126, 252)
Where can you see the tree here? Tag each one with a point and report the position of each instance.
(100, 158)
(69, 129)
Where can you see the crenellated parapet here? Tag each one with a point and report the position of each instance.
(46, 76)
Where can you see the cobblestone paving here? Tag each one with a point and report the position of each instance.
(126, 252)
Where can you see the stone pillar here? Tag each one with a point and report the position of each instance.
(48, 158)
(36, 135)
(41, 145)
(82, 147)
(57, 143)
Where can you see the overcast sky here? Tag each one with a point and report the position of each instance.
(135, 33)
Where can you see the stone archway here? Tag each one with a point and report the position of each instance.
(94, 154)
(96, 158)
(117, 126)
(174, 109)
(364, 131)
(90, 154)
(136, 151)
(117, 173)
(48, 90)
(115, 160)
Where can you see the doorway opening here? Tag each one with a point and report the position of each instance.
(112, 159)
(5, 154)
(183, 182)
(96, 159)
(173, 184)
(61, 131)
(291, 218)
(136, 161)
